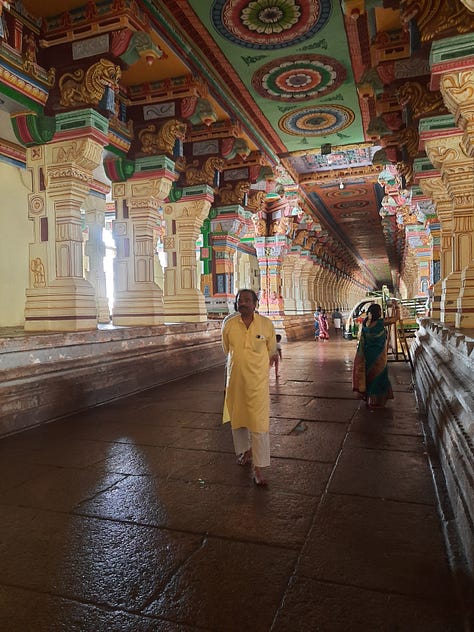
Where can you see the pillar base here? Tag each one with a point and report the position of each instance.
(68, 305)
(435, 310)
(465, 302)
(185, 308)
(139, 307)
(449, 297)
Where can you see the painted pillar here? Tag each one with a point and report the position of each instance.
(434, 188)
(138, 298)
(59, 298)
(271, 252)
(228, 225)
(183, 299)
(94, 208)
(452, 71)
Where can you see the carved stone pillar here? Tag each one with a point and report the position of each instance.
(228, 224)
(434, 188)
(270, 253)
(297, 281)
(311, 285)
(323, 286)
(457, 170)
(307, 266)
(183, 300)
(289, 302)
(94, 207)
(456, 83)
(59, 298)
(138, 299)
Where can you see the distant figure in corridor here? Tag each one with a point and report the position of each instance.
(316, 322)
(370, 372)
(337, 321)
(323, 326)
(279, 355)
(249, 341)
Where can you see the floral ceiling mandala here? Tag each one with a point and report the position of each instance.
(317, 121)
(299, 77)
(269, 24)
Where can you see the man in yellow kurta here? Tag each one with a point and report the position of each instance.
(250, 344)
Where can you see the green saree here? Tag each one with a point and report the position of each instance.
(370, 372)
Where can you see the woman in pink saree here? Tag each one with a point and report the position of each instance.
(323, 326)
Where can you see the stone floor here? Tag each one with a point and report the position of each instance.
(135, 517)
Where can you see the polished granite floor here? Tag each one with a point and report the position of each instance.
(135, 517)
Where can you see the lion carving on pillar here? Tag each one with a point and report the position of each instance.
(87, 87)
(163, 140)
(206, 174)
(234, 194)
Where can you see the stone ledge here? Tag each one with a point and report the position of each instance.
(443, 365)
(48, 376)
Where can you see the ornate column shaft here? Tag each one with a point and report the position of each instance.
(452, 70)
(228, 224)
(138, 299)
(289, 302)
(59, 297)
(183, 299)
(270, 253)
(305, 283)
(435, 189)
(95, 252)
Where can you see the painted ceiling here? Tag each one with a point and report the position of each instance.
(291, 73)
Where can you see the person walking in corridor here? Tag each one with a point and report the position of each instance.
(370, 372)
(337, 321)
(323, 326)
(249, 341)
(279, 356)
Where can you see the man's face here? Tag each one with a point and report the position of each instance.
(245, 303)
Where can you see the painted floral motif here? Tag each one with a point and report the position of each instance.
(317, 121)
(270, 16)
(298, 77)
(269, 24)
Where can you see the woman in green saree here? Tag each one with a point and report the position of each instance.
(370, 372)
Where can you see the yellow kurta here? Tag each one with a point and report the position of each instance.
(247, 400)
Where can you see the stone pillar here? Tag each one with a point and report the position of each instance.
(305, 284)
(138, 299)
(228, 223)
(457, 171)
(59, 298)
(296, 280)
(452, 70)
(311, 285)
(289, 302)
(94, 207)
(270, 253)
(183, 299)
(434, 188)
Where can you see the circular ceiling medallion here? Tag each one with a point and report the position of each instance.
(269, 24)
(298, 77)
(317, 121)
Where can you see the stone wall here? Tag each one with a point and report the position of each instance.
(46, 376)
(444, 368)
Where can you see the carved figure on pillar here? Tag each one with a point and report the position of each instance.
(205, 174)
(87, 87)
(234, 194)
(162, 140)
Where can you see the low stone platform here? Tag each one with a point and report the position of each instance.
(134, 516)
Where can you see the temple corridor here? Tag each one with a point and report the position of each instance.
(133, 516)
